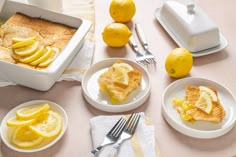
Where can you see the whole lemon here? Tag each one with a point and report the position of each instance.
(116, 34)
(179, 62)
(122, 10)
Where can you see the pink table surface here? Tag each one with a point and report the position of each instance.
(77, 140)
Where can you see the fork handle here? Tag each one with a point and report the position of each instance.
(141, 35)
(108, 152)
(133, 44)
(96, 150)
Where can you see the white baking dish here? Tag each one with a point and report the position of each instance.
(43, 79)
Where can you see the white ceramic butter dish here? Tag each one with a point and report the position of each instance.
(190, 27)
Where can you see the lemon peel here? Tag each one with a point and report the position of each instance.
(178, 63)
(122, 10)
(116, 35)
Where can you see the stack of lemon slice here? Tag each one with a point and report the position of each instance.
(205, 100)
(34, 124)
(29, 51)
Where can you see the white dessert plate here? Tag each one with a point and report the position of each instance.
(100, 99)
(46, 143)
(221, 46)
(198, 129)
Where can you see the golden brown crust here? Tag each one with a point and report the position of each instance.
(5, 55)
(117, 91)
(22, 26)
(192, 95)
(48, 33)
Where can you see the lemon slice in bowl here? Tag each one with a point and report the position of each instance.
(204, 103)
(14, 121)
(48, 125)
(20, 139)
(210, 92)
(33, 111)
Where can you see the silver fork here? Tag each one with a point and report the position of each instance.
(112, 136)
(139, 57)
(127, 133)
(149, 56)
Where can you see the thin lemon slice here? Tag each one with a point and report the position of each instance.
(25, 138)
(49, 52)
(210, 92)
(52, 58)
(204, 103)
(120, 75)
(28, 50)
(124, 66)
(19, 39)
(33, 111)
(34, 56)
(23, 43)
(48, 125)
(14, 121)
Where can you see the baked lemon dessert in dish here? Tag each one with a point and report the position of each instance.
(32, 42)
(119, 81)
(200, 103)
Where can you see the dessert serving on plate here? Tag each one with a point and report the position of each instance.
(119, 81)
(200, 103)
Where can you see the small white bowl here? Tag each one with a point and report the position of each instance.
(46, 143)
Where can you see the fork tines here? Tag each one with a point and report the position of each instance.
(117, 128)
(132, 122)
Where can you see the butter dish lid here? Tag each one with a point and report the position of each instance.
(189, 14)
(192, 27)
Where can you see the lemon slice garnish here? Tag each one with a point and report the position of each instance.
(50, 59)
(211, 93)
(25, 138)
(204, 103)
(48, 53)
(124, 66)
(120, 75)
(19, 39)
(48, 125)
(23, 43)
(34, 56)
(28, 50)
(32, 111)
(14, 121)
